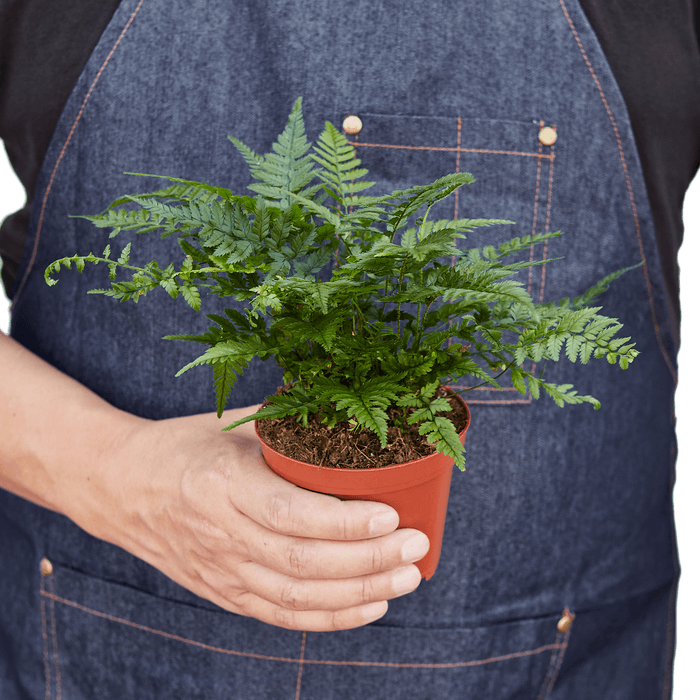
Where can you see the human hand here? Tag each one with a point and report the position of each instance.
(202, 506)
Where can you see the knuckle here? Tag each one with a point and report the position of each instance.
(350, 528)
(299, 559)
(242, 601)
(284, 617)
(277, 512)
(353, 523)
(377, 559)
(337, 620)
(345, 527)
(367, 593)
(294, 597)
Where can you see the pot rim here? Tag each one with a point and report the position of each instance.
(436, 458)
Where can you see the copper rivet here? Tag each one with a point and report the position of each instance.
(564, 625)
(46, 567)
(548, 136)
(352, 124)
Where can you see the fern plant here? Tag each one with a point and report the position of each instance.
(365, 302)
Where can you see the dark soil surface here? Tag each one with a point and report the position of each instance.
(343, 447)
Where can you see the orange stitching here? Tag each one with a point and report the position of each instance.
(551, 677)
(301, 665)
(459, 143)
(458, 664)
(549, 192)
(457, 149)
(505, 401)
(534, 215)
(650, 294)
(45, 642)
(550, 668)
(63, 151)
(490, 388)
(560, 661)
(167, 635)
(55, 644)
(546, 226)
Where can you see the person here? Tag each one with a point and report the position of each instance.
(132, 527)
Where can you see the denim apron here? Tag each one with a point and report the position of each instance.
(558, 571)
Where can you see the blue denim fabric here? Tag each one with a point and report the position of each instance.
(558, 509)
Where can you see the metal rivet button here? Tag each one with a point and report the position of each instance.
(564, 625)
(548, 135)
(46, 567)
(352, 124)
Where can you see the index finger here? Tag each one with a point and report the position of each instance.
(283, 507)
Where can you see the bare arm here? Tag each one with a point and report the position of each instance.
(200, 505)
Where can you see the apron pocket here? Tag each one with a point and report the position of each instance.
(513, 171)
(107, 640)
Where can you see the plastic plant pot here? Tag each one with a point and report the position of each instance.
(418, 490)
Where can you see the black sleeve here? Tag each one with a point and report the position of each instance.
(44, 45)
(653, 49)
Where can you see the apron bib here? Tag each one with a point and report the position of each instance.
(558, 510)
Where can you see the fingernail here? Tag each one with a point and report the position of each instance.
(384, 522)
(415, 548)
(405, 580)
(374, 611)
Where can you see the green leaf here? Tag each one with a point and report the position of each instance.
(295, 402)
(339, 168)
(601, 286)
(517, 379)
(288, 168)
(191, 295)
(236, 354)
(224, 379)
(170, 287)
(124, 257)
(442, 433)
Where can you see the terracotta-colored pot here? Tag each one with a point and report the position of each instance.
(417, 490)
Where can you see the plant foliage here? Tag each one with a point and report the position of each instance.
(373, 331)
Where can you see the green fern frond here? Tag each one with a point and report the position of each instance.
(288, 168)
(438, 430)
(237, 354)
(366, 403)
(441, 432)
(224, 378)
(199, 189)
(295, 402)
(339, 168)
(598, 288)
(564, 393)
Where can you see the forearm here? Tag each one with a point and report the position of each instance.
(53, 434)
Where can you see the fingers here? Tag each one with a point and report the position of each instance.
(302, 605)
(331, 595)
(282, 507)
(216, 519)
(327, 542)
(312, 620)
(308, 535)
(305, 558)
